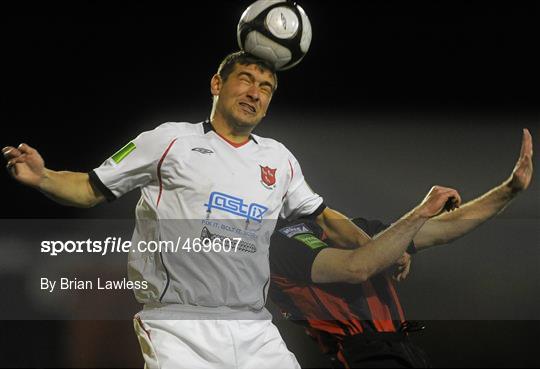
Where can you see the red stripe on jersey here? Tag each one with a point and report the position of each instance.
(380, 313)
(341, 357)
(159, 171)
(396, 298)
(307, 303)
(292, 170)
(292, 175)
(339, 309)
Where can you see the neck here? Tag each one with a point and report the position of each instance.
(228, 130)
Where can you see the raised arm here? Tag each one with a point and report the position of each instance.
(376, 255)
(26, 165)
(447, 227)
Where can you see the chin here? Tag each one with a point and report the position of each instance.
(245, 123)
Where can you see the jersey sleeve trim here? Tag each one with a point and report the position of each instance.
(97, 183)
(316, 213)
(293, 258)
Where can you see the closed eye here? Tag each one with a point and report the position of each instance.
(245, 77)
(265, 86)
(266, 89)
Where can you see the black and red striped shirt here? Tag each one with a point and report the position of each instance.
(338, 309)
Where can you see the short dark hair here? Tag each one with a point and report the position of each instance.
(243, 58)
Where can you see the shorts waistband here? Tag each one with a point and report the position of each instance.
(192, 312)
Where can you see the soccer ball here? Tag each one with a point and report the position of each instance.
(277, 31)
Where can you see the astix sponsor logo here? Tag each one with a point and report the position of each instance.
(235, 205)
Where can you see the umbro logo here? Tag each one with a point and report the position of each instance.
(202, 150)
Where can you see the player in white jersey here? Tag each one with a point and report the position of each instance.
(212, 180)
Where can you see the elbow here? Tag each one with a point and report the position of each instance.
(93, 201)
(87, 203)
(361, 266)
(358, 274)
(82, 205)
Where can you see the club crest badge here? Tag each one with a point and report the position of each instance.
(268, 177)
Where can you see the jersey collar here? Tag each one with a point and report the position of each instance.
(207, 126)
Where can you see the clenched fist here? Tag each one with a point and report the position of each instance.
(25, 164)
(438, 200)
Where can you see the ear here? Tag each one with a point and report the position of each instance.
(215, 85)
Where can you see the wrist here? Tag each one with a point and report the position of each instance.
(418, 214)
(46, 178)
(509, 188)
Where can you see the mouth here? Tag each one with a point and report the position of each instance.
(248, 108)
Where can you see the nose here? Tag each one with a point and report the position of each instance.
(254, 93)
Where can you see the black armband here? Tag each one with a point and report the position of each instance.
(104, 190)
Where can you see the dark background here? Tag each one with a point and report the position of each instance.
(391, 99)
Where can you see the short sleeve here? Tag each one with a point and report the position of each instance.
(293, 251)
(300, 200)
(135, 164)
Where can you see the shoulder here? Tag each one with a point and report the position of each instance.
(172, 131)
(272, 144)
(180, 129)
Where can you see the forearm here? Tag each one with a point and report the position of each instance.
(387, 247)
(69, 188)
(448, 227)
(357, 266)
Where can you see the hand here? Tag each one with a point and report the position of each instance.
(25, 164)
(523, 171)
(438, 200)
(402, 268)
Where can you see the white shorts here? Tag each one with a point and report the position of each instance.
(212, 344)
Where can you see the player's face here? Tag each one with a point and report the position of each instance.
(243, 98)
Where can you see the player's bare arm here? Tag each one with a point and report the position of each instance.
(449, 226)
(26, 165)
(340, 230)
(357, 266)
(344, 233)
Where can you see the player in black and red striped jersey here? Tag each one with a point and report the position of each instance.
(346, 298)
(339, 315)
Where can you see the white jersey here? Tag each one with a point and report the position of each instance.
(198, 186)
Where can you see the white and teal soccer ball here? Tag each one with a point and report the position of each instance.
(278, 31)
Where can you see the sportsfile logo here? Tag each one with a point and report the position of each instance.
(236, 206)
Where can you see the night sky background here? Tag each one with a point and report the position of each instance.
(391, 99)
